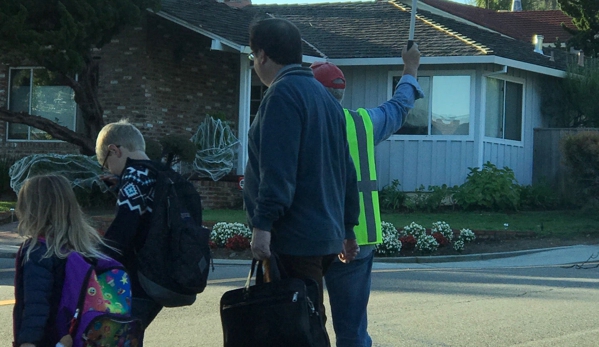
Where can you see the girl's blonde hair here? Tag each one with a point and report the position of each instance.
(47, 207)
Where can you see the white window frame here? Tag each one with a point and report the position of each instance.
(31, 68)
(433, 73)
(497, 140)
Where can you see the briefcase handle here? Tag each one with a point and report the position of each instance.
(276, 271)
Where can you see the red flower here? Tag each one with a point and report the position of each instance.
(441, 240)
(212, 244)
(407, 242)
(237, 243)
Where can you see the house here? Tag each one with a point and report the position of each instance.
(520, 25)
(483, 89)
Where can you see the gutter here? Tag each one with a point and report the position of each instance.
(452, 60)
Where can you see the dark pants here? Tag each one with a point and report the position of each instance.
(309, 267)
(145, 310)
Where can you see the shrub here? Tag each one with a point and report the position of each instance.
(223, 231)
(444, 229)
(466, 235)
(441, 239)
(489, 189)
(458, 245)
(94, 197)
(153, 149)
(178, 148)
(238, 243)
(427, 244)
(581, 156)
(391, 198)
(428, 200)
(391, 244)
(415, 230)
(539, 196)
(408, 242)
(6, 161)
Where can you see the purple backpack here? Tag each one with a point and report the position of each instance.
(95, 305)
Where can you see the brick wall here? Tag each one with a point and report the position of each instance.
(221, 194)
(165, 79)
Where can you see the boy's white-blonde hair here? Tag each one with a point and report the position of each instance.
(121, 133)
(47, 207)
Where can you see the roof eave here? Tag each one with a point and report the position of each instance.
(218, 42)
(489, 59)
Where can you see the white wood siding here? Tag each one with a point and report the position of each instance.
(424, 162)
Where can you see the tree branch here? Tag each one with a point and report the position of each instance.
(57, 131)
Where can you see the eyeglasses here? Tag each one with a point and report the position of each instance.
(106, 158)
(251, 57)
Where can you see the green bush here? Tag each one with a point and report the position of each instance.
(6, 161)
(391, 198)
(429, 200)
(94, 197)
(489, 189)
(539, 196)
(581, 156)
(178, 148)
(153, 149)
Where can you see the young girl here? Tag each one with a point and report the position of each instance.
(51, 219)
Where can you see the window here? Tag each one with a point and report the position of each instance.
(444, 110)
(256, 95)
(38, 92)
(503, 116)
(257, 92)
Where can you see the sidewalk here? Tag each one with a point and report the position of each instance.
(10, 242)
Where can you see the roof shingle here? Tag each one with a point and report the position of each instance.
(361, 30)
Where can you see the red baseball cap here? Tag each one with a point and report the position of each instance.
(328, 74)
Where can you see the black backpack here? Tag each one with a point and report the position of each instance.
(174, 262)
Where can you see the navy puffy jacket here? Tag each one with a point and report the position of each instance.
(38, 286)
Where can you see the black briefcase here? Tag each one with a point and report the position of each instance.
(280, 313)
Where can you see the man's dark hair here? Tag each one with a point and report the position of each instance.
(279, 39)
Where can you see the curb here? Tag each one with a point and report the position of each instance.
(464, 257)
(426, 258)
(10, 251)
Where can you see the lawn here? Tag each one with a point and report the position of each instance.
(7, 205)
(561, 224)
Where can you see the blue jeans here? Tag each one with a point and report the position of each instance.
(349, 290)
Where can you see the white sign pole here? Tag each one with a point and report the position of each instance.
(412, 23)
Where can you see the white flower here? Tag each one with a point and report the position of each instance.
(467, 235)
(391, 244)
(415, 230)
(426, 243)
(458, 245)
(222, 231)
(444, 229)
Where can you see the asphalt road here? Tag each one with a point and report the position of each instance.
(450, 304)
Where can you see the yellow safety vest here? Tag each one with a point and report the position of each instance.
(360, 136)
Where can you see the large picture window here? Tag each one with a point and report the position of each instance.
(503, 110)
(444, 110)
(38, 92)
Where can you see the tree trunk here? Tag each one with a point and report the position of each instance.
(86, 97)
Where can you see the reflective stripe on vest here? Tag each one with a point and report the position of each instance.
(360, 136)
